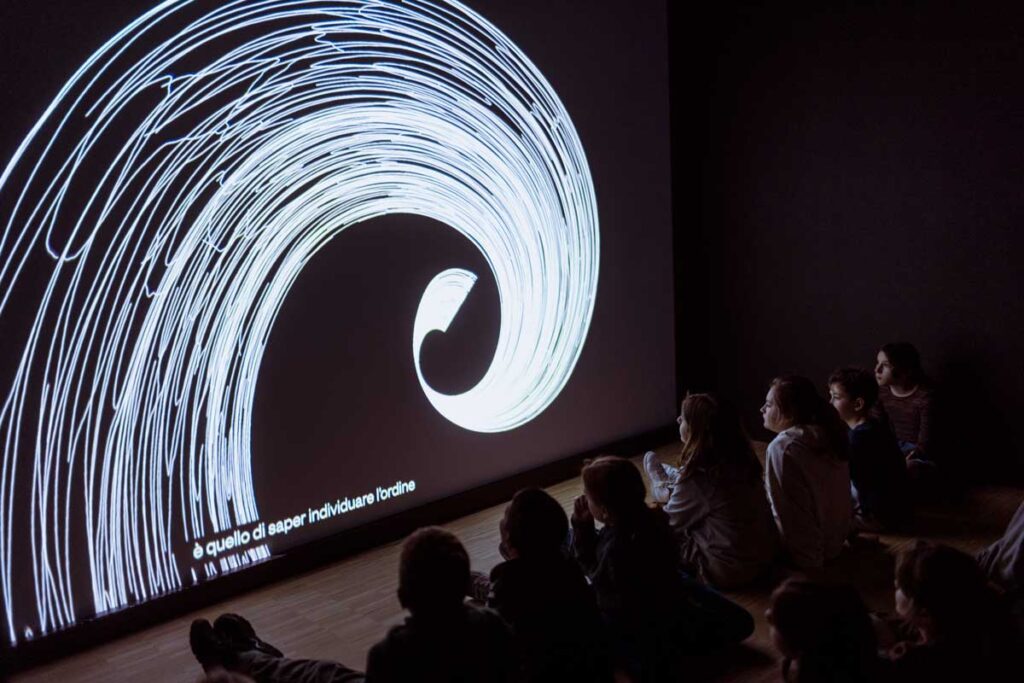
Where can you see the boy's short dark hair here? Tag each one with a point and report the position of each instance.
(857, 383)
(535, 523)
(433, 573)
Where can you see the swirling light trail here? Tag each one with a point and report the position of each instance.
(156, 216)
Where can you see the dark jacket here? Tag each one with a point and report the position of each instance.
(878, 472)
(469, 645)
(554, 617)
(633, 567)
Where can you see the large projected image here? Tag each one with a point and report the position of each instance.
(143, 356)
(194, 189)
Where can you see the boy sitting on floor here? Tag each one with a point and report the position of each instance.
(443, 640)
(877, 472)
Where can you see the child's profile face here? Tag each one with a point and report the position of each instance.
(773, 418)
(847, 408)
(883, 369)
(684, 429)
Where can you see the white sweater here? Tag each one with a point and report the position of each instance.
(809, 491)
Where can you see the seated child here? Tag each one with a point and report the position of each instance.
(544, 596)
(442, 640)
(958, 629)
(716, 502)
(653, 615)
(823, 633)
(905, 401)
(877, 468)
(806, 472)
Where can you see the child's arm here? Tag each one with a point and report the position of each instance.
(792, 501)
(584, 535)
(688, 505)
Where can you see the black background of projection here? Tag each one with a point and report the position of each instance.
(338, 408)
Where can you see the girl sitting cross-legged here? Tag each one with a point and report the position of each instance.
(715, 501)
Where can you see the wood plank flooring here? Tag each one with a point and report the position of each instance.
(339, 611)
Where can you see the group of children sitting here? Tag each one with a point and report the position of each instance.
(631, 600)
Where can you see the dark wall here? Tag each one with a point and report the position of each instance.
(849, 177)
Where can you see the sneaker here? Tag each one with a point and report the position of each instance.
(209, 648)
(239, 635)
(656, 472)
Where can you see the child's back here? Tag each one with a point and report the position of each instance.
(809, 491)
(716, 503)
(724, 526)
(554, 616)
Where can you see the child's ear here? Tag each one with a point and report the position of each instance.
(858, 405)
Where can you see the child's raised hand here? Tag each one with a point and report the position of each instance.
(581, 511)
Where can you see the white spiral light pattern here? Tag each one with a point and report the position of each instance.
(156, 216)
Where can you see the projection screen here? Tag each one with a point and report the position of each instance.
(273, 269)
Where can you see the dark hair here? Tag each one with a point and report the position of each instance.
(433, 572)
(905, 360)
(717, 442)
(800, 402)
(951, 588)
(535, 523)
(857, 383)
(828, 628)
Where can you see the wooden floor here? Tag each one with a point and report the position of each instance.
(339, 611)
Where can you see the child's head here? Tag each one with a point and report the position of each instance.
(792, 400)
(695, 416)
(433, 572)
(614, 489)
(714, 438)
(942, 590)
(826, 628)
(852, 392)
(534, 525)
(898, 363)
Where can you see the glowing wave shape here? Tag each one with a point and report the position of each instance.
(158, 213)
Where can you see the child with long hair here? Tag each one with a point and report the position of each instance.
(823, 632)
(715, 501)
(807, 474)
(905, 401)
